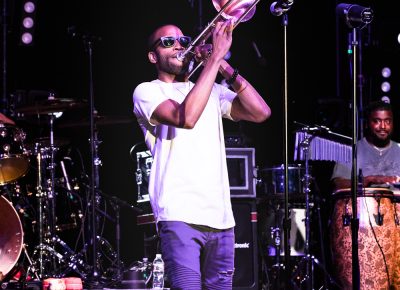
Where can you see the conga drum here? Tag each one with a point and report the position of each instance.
(376, 238)
(396, 245)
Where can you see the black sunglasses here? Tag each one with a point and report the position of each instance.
(169, 41)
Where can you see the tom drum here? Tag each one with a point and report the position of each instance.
(14, 161)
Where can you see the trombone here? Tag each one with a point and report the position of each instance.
(238, 10)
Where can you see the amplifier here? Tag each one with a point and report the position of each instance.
(241, 172)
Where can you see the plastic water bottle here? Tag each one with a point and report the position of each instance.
(158, 272)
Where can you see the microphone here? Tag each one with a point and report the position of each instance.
(65, 176)
(73, 32)
(356, 16)
(277, 8)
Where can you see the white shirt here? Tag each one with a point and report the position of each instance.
(189, 177)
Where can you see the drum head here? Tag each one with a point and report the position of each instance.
(11, 236)
(366, 191)
(273, 180)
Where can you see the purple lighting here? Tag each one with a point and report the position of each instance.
(28, 22)
(26, 38)
(29, 7)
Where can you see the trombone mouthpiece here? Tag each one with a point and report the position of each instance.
(181, 56)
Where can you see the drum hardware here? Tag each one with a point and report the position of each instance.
(379, 217)
(57, 259)
(346, 219)
(308, 260)
(116, 263)
(50, 106)
(48, 262)
(276, 238)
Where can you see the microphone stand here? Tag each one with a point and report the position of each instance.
(281, 11)
(88, 41)
(117, 203)
(356, 17)
(354, 180)
(286, 219)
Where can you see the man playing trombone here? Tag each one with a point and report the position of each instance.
(182, 126)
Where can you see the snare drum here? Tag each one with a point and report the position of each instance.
(14, 161)
(376, 235)
(273, 180)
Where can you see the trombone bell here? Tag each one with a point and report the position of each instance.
(235, 9)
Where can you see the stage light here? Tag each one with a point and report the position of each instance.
(386, 72)
(29, 7)
(385, 99)
(26, 38)
(385, 87)
(28, 23)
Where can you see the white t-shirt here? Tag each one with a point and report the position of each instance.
(189, 177)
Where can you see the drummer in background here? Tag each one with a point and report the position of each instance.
(378, 156)
(5, 120)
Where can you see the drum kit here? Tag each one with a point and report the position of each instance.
(40, 201)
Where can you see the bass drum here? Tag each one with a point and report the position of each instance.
(11, 236)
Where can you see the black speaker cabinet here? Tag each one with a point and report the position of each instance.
(246, 254)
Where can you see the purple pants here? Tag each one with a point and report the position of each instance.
(197, 257)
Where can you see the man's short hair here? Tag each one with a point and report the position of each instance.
(377, 106)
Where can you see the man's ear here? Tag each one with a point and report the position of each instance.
(152, 56)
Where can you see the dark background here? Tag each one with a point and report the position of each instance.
(319, 78)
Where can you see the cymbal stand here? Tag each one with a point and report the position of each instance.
(51, 193)
(310, 261)
(52, 263)
(40, 195)
(46, 204)
(46, 217)
(276, 236)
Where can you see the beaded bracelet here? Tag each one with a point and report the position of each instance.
(233, 77)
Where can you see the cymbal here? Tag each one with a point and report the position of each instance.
(99, 120)
(51, 106)
(44, 142)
